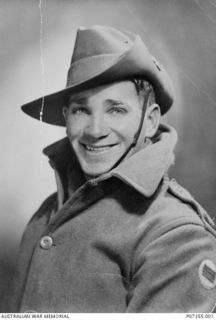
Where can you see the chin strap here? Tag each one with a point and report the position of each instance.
(137, 134)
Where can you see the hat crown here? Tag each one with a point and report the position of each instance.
(100, 40)
(104, 55)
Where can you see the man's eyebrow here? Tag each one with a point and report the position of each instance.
(78, 100)
(114, 102)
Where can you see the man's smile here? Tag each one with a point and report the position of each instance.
(96, 148)
(101, 125)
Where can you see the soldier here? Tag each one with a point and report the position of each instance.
(118, 235)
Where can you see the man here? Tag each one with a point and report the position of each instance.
(118, 236)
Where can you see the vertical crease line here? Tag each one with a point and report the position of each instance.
(42, 77)
(41, 60)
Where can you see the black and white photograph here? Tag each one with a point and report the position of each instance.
(108, 156)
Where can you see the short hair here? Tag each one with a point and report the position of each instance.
(143, 87)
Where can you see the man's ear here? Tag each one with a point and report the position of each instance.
(152, 118)
(65, 113)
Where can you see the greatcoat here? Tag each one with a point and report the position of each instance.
(129, 241)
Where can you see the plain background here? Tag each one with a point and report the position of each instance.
(36, 42)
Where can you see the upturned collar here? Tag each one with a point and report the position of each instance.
(143, 171)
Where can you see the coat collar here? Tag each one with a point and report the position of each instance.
(143, 170)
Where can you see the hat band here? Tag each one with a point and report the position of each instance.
(87, 68)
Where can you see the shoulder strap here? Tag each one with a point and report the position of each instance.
(181, 193)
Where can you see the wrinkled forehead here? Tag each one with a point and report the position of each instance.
(119, 90)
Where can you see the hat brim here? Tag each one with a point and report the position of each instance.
(134, 63)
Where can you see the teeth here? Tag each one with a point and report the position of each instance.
(96, 149)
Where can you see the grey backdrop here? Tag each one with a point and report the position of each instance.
(36, 40)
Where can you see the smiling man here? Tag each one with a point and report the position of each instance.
(102, 123)
(118, 235)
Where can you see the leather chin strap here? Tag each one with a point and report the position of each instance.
(137, 134)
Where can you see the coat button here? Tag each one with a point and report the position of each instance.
(46, 242)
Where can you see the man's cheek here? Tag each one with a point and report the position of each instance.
(74, 132)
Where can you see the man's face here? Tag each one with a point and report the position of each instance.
(101, 124)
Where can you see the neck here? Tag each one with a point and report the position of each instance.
(90, 177)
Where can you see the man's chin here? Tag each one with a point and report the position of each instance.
(92, 173)
(97, 168)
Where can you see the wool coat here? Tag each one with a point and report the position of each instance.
(129, 241)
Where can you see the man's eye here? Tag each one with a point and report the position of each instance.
(78, 110)
(118, 110)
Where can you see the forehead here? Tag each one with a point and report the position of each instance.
(119, 90)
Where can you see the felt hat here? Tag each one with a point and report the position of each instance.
(104, 55)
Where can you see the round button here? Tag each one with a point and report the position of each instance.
(46, 242)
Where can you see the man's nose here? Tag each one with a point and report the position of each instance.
(97, 127)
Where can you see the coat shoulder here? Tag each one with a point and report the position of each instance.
(197, 212)
(175, 207)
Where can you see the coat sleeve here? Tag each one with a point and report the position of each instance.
(175, 272)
